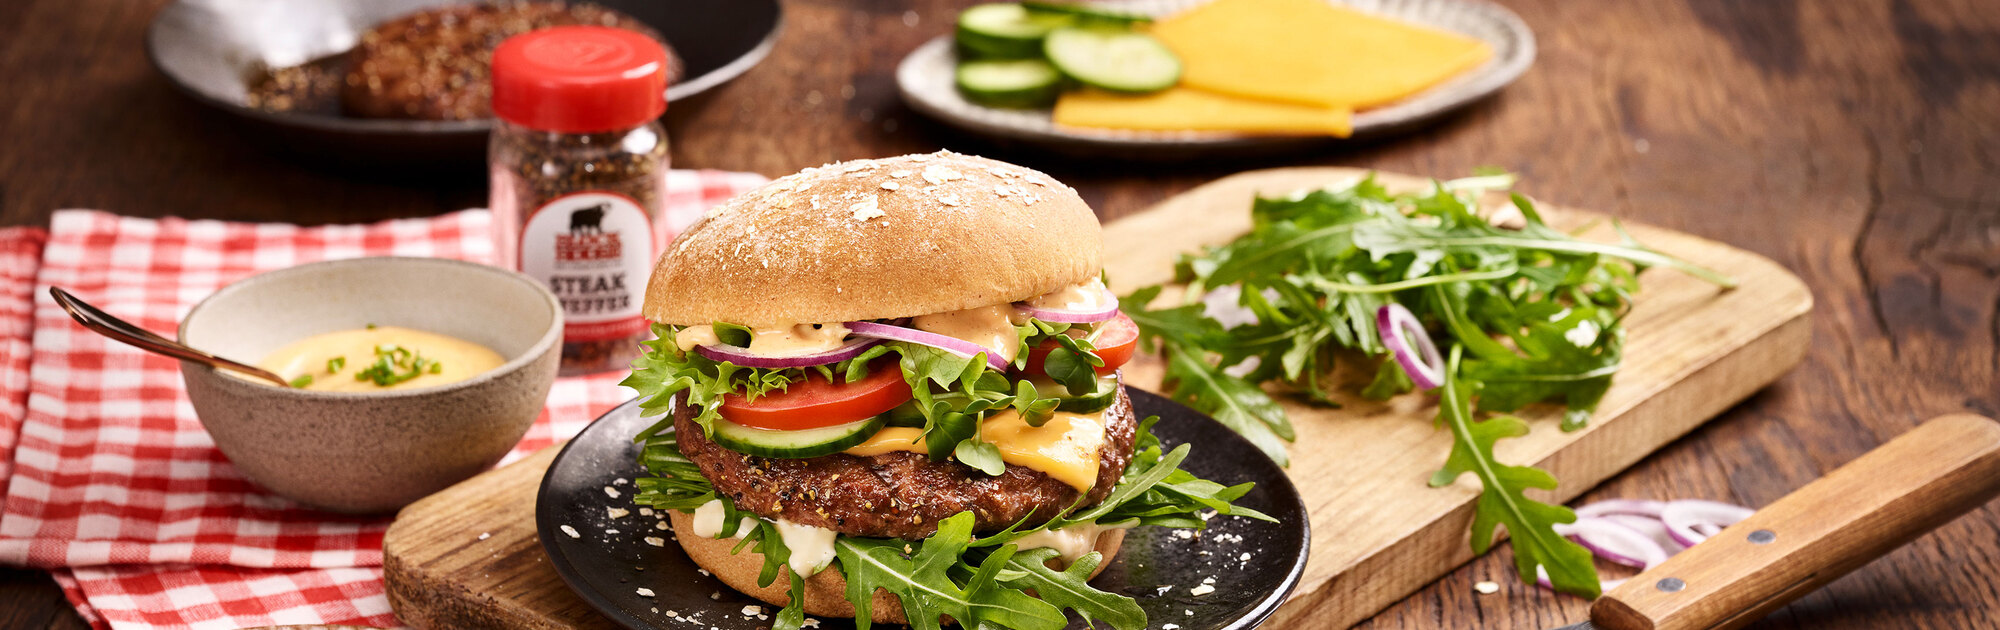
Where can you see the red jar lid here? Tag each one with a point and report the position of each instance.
(579, 79)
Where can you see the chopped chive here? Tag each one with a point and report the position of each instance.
(302, 381)
(371, 326)
(334, 365)
(437, 368)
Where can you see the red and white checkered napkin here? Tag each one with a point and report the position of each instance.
(116, 486)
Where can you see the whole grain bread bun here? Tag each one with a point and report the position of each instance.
(875, 239)
(826, 591)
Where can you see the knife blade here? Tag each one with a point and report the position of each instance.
(1936, 472)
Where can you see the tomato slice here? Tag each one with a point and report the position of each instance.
(817, 402)
(1115, 344)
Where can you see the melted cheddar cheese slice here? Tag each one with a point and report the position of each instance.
(1181, 108)
(1312, 52)
(1065, 448)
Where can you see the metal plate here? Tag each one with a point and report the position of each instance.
(1255, 565)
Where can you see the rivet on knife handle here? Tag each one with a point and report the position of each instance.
(1876, 503)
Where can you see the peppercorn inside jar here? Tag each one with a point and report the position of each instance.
(578, 162)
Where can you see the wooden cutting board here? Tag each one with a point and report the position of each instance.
(467, 557)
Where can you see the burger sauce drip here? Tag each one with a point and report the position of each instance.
(989, 326)
(1089, 296)
(789, 341)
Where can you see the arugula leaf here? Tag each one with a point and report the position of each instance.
(923, 582)
(1070, 588)
(1236, 403)
(1503, 501)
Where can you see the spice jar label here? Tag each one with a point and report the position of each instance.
(595, 251)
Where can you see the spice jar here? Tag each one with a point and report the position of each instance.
(579, 163)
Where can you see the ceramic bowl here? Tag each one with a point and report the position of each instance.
(372, 452)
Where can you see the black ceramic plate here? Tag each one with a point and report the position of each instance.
(213, 49)
(1253, 565)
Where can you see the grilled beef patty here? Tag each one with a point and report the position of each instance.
(897, 494)
(437, 64)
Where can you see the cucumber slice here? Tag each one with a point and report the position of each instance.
(1113, 59)
(1085, 12)
(1020, 83)
(1107, 393)
(1005, 31)
(794, 444)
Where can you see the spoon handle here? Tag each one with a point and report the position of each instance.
(110, 326)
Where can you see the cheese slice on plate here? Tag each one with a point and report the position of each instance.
(1184, 109)
(1312, 52)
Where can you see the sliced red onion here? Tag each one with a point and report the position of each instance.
(1400, 330)
(1650, 526)
(953, 345)
(1642, 534)
(1692, 521)
(1066, 316)
(1603, 586)
(1633, 507)
(1613, 541)
(743, 357)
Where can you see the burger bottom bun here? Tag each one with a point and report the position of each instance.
(826, 591)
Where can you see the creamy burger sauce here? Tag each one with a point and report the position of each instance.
(1090, 296)
(790, 341)
(1066, 448)
(708, 521)
(1071, 542)
(811, 547)
(989, 326)
(457, 359)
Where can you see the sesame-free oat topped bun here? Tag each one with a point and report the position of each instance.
(877, 239)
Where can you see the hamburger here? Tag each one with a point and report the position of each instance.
(889, 390)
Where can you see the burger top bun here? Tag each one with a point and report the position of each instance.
(878, 239)
(826, 591)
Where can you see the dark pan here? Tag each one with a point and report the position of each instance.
(213, 49)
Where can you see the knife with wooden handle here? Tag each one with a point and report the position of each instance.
(1944, 468)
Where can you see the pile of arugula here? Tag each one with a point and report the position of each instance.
(980, 582)
(1529, 315)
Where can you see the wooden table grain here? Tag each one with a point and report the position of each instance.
(1854, 141)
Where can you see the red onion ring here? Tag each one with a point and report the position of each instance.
(1650, 526)
(739, 356)
(1065, 316)
(1641, 533)
(1613, 541)
(953, 345)
(1632, 507)
(1399, 328)
(1692, 521)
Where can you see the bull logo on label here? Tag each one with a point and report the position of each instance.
(588, 220)
(587, 239)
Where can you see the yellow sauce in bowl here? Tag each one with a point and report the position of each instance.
(379, 358)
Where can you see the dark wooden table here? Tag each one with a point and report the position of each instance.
(1855, 141)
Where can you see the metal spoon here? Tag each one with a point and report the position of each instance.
(103, 323)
